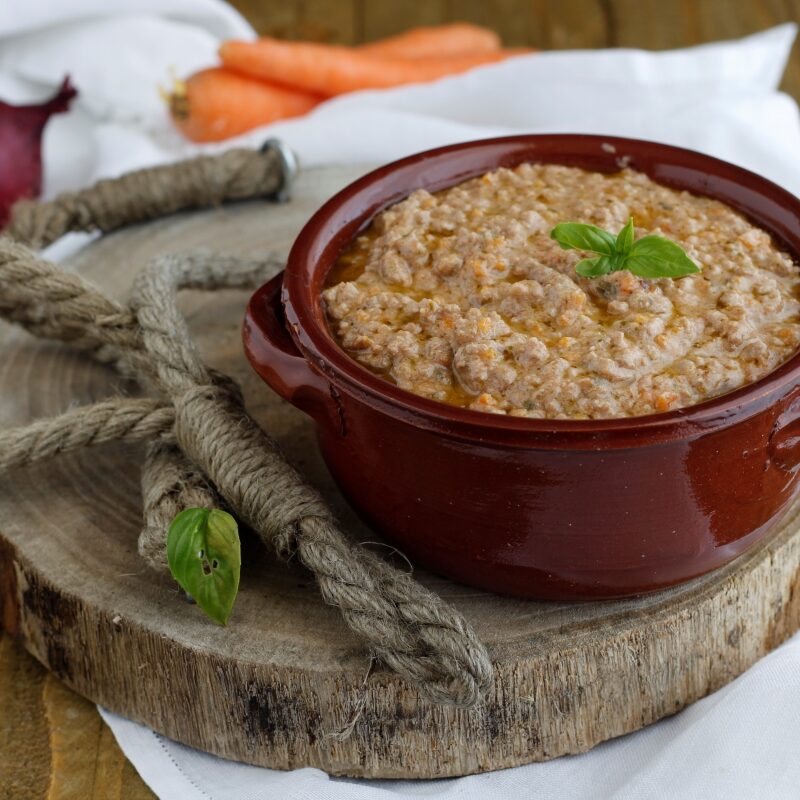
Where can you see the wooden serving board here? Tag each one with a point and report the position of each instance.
(276, 685)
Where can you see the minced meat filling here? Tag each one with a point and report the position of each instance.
(462, 296)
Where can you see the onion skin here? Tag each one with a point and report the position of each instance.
(21, 129)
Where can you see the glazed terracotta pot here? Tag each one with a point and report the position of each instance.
(536, 508)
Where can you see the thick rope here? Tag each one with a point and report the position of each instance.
(410, 629)
(170, 483)
(403, 624)
(118, 419)
(148, 194)
(54, 304)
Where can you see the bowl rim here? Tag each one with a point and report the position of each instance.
(306, 321)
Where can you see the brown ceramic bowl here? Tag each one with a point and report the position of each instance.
(536, 508)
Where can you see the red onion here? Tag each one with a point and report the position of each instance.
(21, 146)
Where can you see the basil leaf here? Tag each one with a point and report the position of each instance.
(578, 236)
(657, 257)
(649, 257)
(205, 558)
(624, 241)
(594, 267)
(618, 261)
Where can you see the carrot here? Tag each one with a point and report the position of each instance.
(329, 70)
(215, 104)
(442, 41)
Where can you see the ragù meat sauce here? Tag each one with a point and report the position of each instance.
(462, 296)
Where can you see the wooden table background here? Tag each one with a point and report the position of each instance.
(53, 743)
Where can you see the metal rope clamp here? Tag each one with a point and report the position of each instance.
(290, 167)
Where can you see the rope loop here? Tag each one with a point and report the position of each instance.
(204, 450)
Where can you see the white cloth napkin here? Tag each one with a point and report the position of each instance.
(722, 99)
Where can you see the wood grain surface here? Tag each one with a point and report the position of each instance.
(52, 742)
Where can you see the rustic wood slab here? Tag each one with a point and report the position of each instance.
(277, 685)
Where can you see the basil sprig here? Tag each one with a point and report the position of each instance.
(205, 558)
(649, 257)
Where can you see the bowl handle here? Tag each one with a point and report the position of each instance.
(784, 439)
(276, 358)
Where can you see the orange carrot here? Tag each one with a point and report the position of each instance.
(442, 41)
(329, 70)
(215, 104)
